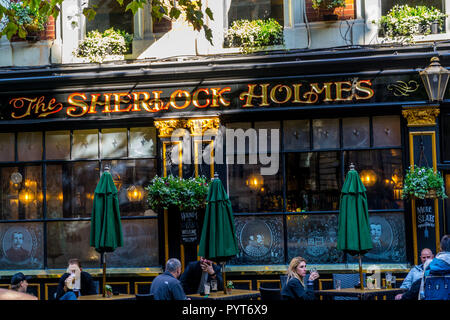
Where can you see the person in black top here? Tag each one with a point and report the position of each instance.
(295, 288)
(166, 286)
(75, 282)
(200, 272)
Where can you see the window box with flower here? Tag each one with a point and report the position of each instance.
(327, 8)
(110, 45)
(254, 35)
(403, 22)
(423, 183)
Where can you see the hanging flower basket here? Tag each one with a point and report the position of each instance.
(423, 183)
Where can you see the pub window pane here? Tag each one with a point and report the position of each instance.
(255, 9)
(68, 239)
(326, 133)
(140, 245)
(114, 143)
(22, 246)
(142, 142)
(388, 238)
(266, 140)
(356, 132)
(29, 146)
(85, 144)
(386, 131)
(21, 193)
(131, 177)
(241, 140)
(252, 192)
(260, 240)
(296, 135)
(70, 189)
(314, 238)
(381, 172)
(110, 14)
(57, 145)
(7, 147)
(313, 181)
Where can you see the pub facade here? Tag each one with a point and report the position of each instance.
(280, 131)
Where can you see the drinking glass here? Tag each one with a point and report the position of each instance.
(337, 284)
(394, 282)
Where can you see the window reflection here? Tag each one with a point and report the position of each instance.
(131, 177)
(386, 131)
(382, 173)
(7, 147)
(140, 247)
(69, 239)
(356, 132)
(57, 145)
(142, 142)
(326, 133)
(22, 246)
(255, 9)
(85, 144)
(313, 181)
(70, 189)
(21, 193)
(252, 192)
(114, 143)
(29, 146)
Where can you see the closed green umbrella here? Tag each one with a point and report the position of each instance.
(218, 241)
(106, 228)
(354, 229)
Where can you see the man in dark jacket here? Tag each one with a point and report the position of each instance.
(197, 273)
(75, 282)
(166, 286)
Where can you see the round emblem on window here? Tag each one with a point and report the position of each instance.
(16, 177)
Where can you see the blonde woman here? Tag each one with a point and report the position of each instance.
(295, 288)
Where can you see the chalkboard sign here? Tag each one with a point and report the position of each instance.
(425, 224)
(189, 227)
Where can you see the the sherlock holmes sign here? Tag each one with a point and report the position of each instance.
(244, 96)
(83, 104)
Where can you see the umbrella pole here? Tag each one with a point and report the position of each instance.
(104, 274)
(224, 278)
(361, 282)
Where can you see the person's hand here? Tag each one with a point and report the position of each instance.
(399, 296)
(314, 275)
(207, 266)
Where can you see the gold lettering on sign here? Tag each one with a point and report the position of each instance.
(74, 104)
(250, 94)
(280, 88)
(36, 106)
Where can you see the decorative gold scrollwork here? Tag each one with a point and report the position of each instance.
(421, 116)
(166, 127)
(402, 88)
(199, 126)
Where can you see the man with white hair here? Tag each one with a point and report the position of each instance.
(166, 286)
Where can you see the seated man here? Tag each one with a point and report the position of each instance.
(166, 286)
(416, 272)
(75, 282)
(440, 265)
(19, 282)
(6, 294)
(197, 273)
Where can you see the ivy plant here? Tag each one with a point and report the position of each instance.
(191, 10)
(185, 194)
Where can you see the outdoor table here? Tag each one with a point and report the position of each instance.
(113, 297)
(236, 294)
(365, 294)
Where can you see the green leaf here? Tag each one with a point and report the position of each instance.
(209, 13)
(10, 30)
